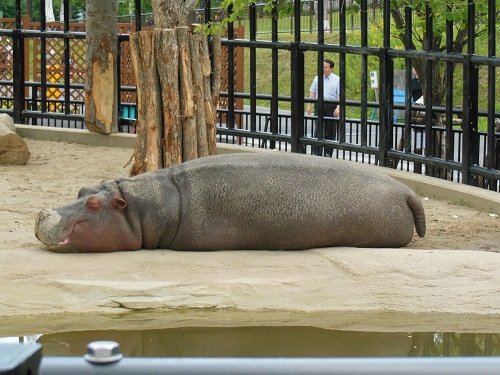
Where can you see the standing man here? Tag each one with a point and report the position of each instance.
(330, 92)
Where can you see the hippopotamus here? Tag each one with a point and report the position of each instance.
(274, 201)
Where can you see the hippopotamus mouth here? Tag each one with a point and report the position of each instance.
(64, 246)
(48, 229)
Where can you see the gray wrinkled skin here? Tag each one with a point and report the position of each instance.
(239, 201)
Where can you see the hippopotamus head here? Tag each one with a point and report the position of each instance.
(96, 222)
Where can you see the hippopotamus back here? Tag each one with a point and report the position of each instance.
(282, 201)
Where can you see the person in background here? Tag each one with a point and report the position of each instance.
(331, 83)
(415, 86)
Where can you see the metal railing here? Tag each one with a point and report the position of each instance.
(104, 357)
(463, 153)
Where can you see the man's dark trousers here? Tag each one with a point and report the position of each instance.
(330, 128)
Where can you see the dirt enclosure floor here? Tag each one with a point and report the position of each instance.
(58, 170)
(459, 256)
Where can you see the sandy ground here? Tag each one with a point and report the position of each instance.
(454, 270)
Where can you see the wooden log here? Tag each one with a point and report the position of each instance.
(216, 64)
(210, 113)
(167, 55)
(139, 154)
(13, 149)
(197, 76)
(148, 99)
(189, 137)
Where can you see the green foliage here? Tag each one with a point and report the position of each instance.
(440, 11)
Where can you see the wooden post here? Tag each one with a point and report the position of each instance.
(211, 94)
(167, 53)
(149, 101)
(216, 64)
(189, 146)
(198, 73)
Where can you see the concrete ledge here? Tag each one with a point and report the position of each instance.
(120, 140)
(470, 196)
(479, 199)
(76, 136)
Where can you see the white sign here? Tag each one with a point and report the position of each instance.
(374, 79)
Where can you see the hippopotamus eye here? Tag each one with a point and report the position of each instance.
(93, 204)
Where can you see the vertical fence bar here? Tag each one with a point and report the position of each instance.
(119, 80)
(490, 147)
(386, 69)
(364, 73)
(43, 59)
(320, 97)
(18, 66)
(408, 76)
(67, 61)
(253, 69)
(428, 46)
(342, 71)
(297, 73)
(450, 141)
(138, 15)
(470, 137)
(274, 79)
(207, 11)
(230, 73)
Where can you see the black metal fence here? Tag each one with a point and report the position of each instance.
(455, 136)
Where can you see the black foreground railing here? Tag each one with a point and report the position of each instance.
(443, 149)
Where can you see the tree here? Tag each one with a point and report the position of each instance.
(440, 11)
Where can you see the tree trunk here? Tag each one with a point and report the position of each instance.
(172, 13)
(100, 85)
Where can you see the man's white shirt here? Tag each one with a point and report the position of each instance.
(330, 87)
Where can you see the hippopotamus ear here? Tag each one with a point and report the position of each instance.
(119, 202)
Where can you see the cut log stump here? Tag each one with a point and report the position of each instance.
(176, 112)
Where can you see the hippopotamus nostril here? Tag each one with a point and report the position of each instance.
(45, 226)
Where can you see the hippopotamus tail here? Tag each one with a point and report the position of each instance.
(418, 213)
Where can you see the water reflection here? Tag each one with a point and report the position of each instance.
(275, 342)
(461, 344)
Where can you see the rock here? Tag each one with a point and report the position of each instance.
(13, 149)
